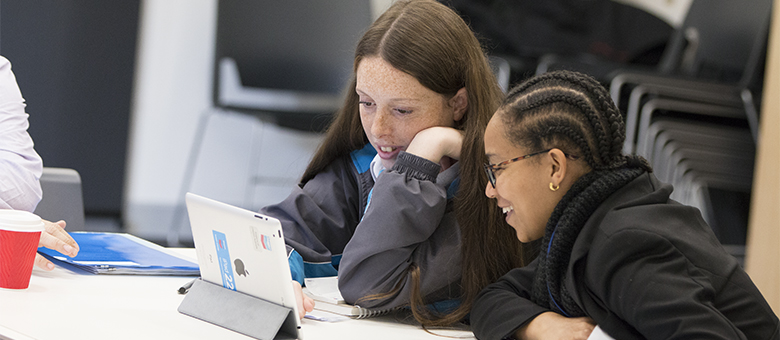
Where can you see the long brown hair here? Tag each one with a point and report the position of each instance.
(430, 42)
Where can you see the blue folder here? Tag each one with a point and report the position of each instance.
(119, 253)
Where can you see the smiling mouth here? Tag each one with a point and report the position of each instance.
(387, 149)
(507, 209)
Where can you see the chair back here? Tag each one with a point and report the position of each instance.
(717, 39)
(62, 197)
(294, 48)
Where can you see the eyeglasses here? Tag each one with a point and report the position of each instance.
(490, 169)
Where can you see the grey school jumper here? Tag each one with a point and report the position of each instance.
(370, 233)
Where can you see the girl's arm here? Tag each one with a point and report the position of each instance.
(409, 221)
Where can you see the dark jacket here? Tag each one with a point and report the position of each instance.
(341, 222)
(643, 267)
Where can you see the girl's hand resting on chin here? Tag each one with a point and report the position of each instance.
(437, 144)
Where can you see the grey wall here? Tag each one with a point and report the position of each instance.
(74, 62)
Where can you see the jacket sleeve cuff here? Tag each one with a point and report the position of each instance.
(416, 167)
(296, 266)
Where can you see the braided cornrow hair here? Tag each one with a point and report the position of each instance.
(570, 111)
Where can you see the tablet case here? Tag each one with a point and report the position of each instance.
(237, 311)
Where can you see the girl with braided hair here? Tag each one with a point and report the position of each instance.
(615, 250)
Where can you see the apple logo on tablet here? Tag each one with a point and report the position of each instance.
(240, 270)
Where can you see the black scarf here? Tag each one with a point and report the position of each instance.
(565, 223)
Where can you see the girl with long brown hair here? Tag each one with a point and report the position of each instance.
(397, 183)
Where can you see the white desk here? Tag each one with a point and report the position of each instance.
(64, 305)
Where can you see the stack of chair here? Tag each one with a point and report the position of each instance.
(695, 115)
(698, 125)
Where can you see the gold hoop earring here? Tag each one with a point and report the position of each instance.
(554, 187)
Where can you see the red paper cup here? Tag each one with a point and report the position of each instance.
(20, 232)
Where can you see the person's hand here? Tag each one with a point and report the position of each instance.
(305, 303)
(550, 325)
(55, 237)
(435, 143)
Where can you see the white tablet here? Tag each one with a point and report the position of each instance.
(243, 251)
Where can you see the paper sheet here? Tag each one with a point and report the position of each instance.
(325, 288)
(598, 334)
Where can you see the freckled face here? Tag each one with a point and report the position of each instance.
(394, 107)
(521, 187)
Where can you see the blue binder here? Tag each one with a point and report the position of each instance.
(119, 253)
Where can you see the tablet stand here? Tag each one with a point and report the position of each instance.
(238, 312)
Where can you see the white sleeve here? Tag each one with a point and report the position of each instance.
(20, 165)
